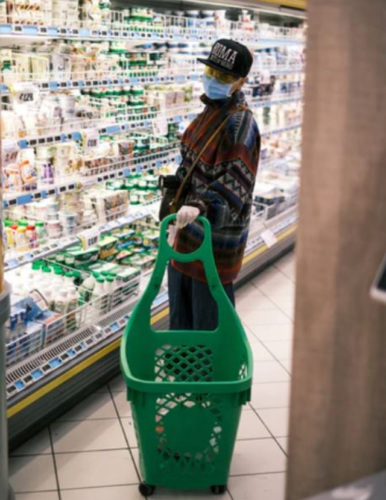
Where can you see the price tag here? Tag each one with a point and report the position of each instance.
(10, 151)
(89, 238)
(24, 93)
(160, 126)
(269, 238)
(90, 139)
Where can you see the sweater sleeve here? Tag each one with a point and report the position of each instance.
(224, 199)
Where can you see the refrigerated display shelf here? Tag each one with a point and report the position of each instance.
(136, 122)
(45, 362)
(40, 389)
(137, 78)
(281, 130)
(140, 164)
(13, 260)
(139, 122)
(263, 102)
(94, 83)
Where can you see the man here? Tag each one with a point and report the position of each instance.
(220, 188)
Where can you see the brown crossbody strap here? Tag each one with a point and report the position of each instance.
(174, 202)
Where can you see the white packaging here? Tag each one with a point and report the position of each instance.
(61, 302)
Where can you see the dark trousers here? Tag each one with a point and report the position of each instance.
(192, 306)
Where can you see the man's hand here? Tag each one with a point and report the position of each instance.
(186, 215)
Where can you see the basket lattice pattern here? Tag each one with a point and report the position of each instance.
(183, 364)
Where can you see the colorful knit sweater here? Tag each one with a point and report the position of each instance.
(221, 184)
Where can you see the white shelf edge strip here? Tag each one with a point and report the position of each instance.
(192, 35)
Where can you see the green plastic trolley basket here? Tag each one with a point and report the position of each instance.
(186, 388)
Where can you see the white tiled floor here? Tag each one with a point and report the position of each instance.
(91, 453)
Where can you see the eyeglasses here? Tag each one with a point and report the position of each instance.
(219, 75)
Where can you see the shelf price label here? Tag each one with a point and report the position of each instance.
(89, 238)
(160, 126)
(10, 151)
(90, 139)
(269, 238)
(24, 93)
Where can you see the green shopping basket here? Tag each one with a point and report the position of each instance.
(186, 388)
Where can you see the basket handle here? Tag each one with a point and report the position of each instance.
(204, 253)
(226, 313)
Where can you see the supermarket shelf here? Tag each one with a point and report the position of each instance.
(283, 71)
(15, 260)
(295, 4)
(277, 131)
(41, 33)
(276, 42)
(138, 123)
(135, 79)
(12, 261)
(94, 353)
(93, 83)
(78, 183)
(53, 358)
(274, 101)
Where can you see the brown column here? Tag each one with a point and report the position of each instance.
(338, 408)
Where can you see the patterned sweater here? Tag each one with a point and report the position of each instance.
(221, 184)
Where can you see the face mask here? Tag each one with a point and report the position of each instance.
(216, 90)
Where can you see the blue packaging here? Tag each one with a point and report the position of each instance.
(35, 305)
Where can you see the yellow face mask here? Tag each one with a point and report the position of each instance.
(219, 75)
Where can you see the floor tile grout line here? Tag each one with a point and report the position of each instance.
(59, 421)
(280, 309)
(281, 407)
(228, 490)
(256, 278)
(270, 432)
(106, 486)
(78, 452)
(17, 493)
(126, 439)
(271, 353)
(54, 460)
(268, 407)
(264, 347)
(258, 473)
(26, 455)
(283, 273)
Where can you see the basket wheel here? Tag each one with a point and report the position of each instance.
(146, 490)
(219, 489)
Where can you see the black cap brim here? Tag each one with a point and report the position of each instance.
(207, 62)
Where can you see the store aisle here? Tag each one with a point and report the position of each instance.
(91, 454)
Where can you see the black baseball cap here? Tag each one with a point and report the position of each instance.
(230, 57)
